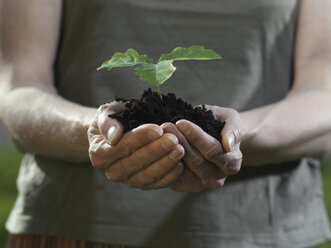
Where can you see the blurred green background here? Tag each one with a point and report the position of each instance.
(9, 164)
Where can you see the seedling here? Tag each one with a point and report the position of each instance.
(157, 74)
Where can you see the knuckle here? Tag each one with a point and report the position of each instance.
(95, 144)
(108, 108)
(99, 153)
(153, 151)
(102, 108)
(92, 131)
(93, 153)
(98, 162)
(213, 152)
(235, 165)
(149, 177)
(195, 137)
(238, 158)
(232, 111)
(197, 162)
(233, 170)
(136, 160)
(124, 148)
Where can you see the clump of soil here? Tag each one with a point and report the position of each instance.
(152, 108)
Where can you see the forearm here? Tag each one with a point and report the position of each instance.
(298, 126)
(43, 123)
(36, 118)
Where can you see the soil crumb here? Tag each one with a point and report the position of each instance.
(152, 108)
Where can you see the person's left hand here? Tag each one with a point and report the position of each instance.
(207, 161)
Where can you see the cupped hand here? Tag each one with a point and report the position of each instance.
(143, 158)
(207, 161)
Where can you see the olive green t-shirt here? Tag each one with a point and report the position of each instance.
(276, 205)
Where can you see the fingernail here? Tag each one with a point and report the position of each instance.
(164, 125)
(112, 133)
(169, 142)
(182, 125)
(231, 140)
(154, 134)
(177, 153)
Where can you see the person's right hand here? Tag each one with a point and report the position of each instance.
(144, 157)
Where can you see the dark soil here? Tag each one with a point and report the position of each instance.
(152, 108)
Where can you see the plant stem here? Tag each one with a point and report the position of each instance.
(158, 90)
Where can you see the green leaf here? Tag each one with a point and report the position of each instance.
(156, 74)
(129, 58)
(191, 53)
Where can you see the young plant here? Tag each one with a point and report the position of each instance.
(157, 74)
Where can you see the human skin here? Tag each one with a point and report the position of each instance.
(40, 121)
(295, 127)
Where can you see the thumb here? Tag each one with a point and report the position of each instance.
(228, 141)
(232, 130)
(110, 129)
(231, 136)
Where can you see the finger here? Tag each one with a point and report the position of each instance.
(168, 179)
(211, 149)
(231, 136)
(208, 146)
(169, 127)
(234, 161)
(132, 141)
(102, 154)
(188, 182)
(98, 147)
(232, 131)
(110, 129)
(207, 172)
(193, 158)
(123, 169)
(158, 169)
